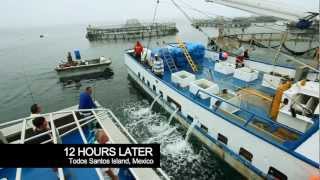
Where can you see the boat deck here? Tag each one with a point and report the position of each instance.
(69, 133)
(252, 116)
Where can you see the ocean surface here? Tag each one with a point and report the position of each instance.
(27, 76)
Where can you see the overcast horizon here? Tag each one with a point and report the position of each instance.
(41, 13)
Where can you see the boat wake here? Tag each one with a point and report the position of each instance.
(179, 158)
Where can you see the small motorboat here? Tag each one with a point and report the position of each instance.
(80, 67)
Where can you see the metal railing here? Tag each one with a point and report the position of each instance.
(79, 123)
(54, 131)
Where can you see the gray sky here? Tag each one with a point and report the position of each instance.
(28, 13)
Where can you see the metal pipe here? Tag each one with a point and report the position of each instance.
(23, 133)
(54, 138)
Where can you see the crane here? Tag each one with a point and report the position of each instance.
(267, 8)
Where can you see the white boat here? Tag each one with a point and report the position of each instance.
(71, 128)
(83, 67)
(233, 119)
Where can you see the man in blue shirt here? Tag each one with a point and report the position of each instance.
(86, 101)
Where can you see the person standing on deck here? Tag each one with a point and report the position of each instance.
(246, 54)
(138, 48)
(158, 67)
(102, 138)
(85, 101)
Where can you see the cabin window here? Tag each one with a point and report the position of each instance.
(204, 128)
(246, 154)
(273, 173)
(190, 118)
(139, 75)
(154, 88)
(143, 79)
(222, 138)
(148, 83)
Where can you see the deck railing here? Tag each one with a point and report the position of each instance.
(79, 123)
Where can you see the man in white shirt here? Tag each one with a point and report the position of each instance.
(102, 138)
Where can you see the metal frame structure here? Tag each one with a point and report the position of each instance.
(54, 131)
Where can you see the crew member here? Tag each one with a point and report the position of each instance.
(158, 67)
(41, 125)
(69, 58)
(222, 55)
(102, 138)
(246, 54)
(239, 61)
(138, 48)
(35, 110)
(240, 58)
(85, 101)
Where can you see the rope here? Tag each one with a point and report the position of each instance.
(276, 57)
(153, 22)
(188, 17)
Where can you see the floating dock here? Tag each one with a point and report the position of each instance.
(239, 22)
(133, 29)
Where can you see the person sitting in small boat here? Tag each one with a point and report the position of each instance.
(85, 101)
(70, 61)
(158, 67)
(35, 110)
(102, 138)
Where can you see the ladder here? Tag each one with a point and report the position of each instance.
(169, 60)
(187, 55)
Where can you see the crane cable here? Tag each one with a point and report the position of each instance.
(188, 17)
(152, 24)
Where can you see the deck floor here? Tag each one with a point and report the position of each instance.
(249, 110)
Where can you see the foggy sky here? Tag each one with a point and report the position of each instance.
(30, 13)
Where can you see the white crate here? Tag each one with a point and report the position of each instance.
(183, 78)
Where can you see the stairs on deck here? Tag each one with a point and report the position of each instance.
(187, 55)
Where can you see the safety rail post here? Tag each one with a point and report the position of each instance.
(83, 137)
(22, 137)
(55, 141)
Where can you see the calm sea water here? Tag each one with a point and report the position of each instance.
(29, 61)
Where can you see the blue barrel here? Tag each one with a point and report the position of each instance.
(77, 54)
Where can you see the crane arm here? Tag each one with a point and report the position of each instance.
(265, 8)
